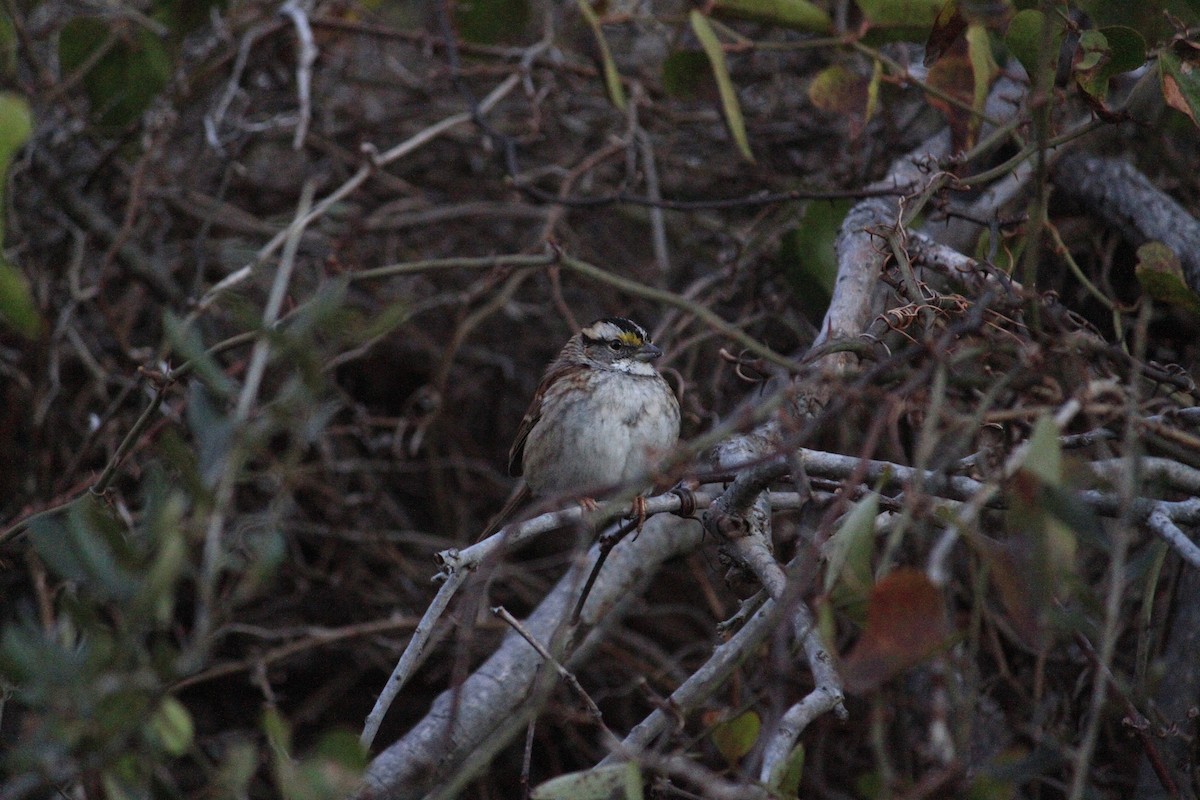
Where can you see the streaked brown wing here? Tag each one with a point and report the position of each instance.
(516, 455)
(515, 501)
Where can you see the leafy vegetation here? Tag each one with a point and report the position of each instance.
(278, 282)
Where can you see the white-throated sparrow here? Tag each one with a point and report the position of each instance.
(600, 418)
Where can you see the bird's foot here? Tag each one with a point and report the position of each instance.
(638, 511)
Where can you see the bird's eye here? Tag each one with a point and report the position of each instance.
(615, 344)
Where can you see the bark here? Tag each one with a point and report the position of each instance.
(1120, 195)
(447, 736)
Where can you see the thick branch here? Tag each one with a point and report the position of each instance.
(860, 258)
(1120, 195)
(461, 719)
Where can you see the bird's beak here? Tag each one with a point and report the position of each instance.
(647, 352)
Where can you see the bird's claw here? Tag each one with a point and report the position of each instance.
(638, 511)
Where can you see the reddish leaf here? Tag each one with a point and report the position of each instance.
(954, 75)
(839, 90)
(1161, 276)
(1010, 567)
(947, 29)
(906, 623)
(1179, 70)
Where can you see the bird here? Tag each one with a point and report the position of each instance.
(601, 417)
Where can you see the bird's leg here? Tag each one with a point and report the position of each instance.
(638, 511)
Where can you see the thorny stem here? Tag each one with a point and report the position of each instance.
(1130, 480)
(899, 71)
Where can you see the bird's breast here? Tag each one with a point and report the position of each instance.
(604, 437)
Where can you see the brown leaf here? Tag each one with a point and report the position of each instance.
(948, 28)
(954, 74)
(840, 90)
(1010, 567)
(906, 623)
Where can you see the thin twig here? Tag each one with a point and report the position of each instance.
(352, 183)
(223, 495)
(304, 63)
(564, 673)
(412, 656)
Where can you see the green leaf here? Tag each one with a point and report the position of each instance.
(164, 517)
(869, 784)
(729, 102)
(848, 551)
(1041, 551)
(873, 87)
(16, 126)
(33, 662)
(601, 783)
(988, 787)
(807, 256)
(1128, 49)
(212, 429)
(1188, 10)
(116, 713)
(117, 786)
(685, 74)
(736, 737)
(1105, 53)
(909, 19)
(181, 17)
(85, 545)
(785, 777)
(278, 732)
(1180, 80)
(1148, 18)
(123, 71)
(1034, 568)
(238, 765)
(186, 343)
(839, 90)
(383, 321)
(491, 21)
(798, 15)
(1044, 456)
(343, 748)
(612, 78)
(1093, 49)
(171, 726)
(8, 47)
(633, 781)
(983, 70)
(17, 308)
(330, 773)
(1161, 276)
(1024, 39)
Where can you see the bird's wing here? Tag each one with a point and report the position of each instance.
(516, 455)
